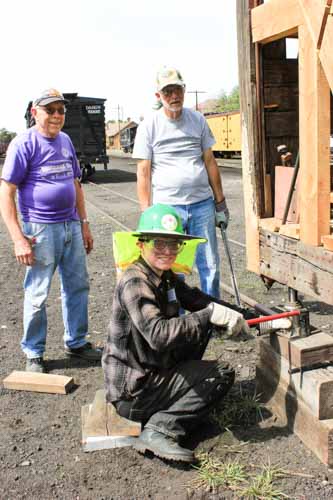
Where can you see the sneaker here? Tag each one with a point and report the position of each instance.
(35, 365)
(87, 352)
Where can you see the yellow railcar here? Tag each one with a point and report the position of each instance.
(226, 128)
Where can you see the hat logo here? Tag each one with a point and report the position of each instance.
(169, 222)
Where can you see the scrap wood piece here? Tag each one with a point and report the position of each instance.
(103, 428)
(314, 387)
(38, 382)
(303, 351)
(270, 224)
(327, 241)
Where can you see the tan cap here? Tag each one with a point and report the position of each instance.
(168, 76)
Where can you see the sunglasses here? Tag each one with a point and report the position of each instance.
(171, 89)
(51, 111)
(174, 246)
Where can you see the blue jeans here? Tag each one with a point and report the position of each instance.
(58, 245)
(199, 219)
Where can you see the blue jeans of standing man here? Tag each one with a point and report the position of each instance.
(199, 219)
(58, 245)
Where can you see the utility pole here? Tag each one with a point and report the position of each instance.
(118, 109)
(196, 92)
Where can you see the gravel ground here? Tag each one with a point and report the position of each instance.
(40, 434)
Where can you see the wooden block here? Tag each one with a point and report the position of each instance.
(103, 428)
(270, 224)
(314, 387)
(327, 241)
(316, 434)
(303, 351)
(290, 230)
(38, 382)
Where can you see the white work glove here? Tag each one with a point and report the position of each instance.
(222, 214)
(231, 320)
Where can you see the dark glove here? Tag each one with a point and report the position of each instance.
(221, 214)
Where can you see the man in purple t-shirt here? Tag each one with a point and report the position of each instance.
(41, 166)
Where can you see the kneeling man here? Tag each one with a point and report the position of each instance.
(153, 366)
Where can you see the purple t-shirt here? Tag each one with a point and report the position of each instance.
(43, 169)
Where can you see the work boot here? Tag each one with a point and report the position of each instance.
(35, 365)
(87, 352)
(162, 446)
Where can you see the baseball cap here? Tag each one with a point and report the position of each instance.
(48, 96)
(168, 76)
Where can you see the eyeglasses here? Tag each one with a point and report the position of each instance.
(174, 246)
(172, 89)
(51, 111)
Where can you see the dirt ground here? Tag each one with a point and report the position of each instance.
(40, 434)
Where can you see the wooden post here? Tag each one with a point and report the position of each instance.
(314, 125)
(252, 175)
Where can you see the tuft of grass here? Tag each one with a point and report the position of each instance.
(240, 409)
(262, 486)
(213, 474)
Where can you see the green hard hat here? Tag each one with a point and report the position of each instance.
(161, 220)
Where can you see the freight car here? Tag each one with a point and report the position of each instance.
(85, 124)
(226, 128)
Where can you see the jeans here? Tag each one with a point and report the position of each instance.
(174, 402)
(199, 219)
(58, 245)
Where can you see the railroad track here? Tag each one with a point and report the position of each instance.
(135, 201)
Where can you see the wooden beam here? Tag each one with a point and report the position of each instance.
(38, 382)
(252, 175)
(314, 121)
(320, 26)
(314, 387)
(295, 415)
(275, 19)
(270, 224)
(306, 268)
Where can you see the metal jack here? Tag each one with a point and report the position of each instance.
(301, 323)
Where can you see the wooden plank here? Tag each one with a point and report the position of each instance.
(314, 109)
(38, 382)
(316, 434)
(252, 173)
(120, 426)
(275, 19)
(303, 351)
(283, 178)
(95, 443)
(290, 230)
(327, 241)
(270, 224)
(314, 387)
(331, 198)
(96, 420)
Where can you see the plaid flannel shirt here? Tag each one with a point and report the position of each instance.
(145, 334)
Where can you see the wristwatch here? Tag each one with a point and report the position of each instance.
(84, 221)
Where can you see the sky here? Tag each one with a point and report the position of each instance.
(112, 49)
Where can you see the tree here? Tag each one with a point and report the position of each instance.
(6, 136)
(228, 102)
